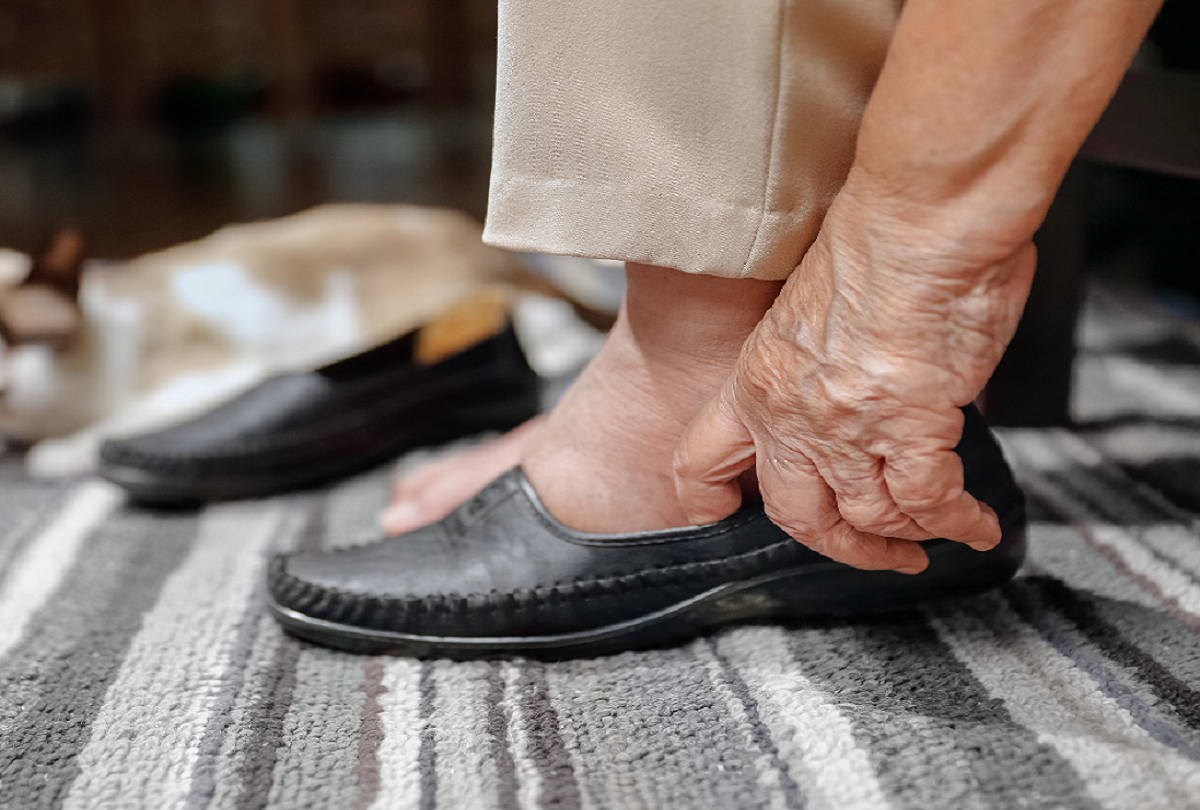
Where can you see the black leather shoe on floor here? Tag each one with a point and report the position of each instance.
(500, 576)
(300, 430)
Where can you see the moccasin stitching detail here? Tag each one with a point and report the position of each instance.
(325, 602)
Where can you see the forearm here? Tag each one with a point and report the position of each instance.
(981, 106)
(846, 396)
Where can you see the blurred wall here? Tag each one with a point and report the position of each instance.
(135, 61)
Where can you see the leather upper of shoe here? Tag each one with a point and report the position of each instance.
(309, 416)
(501, 562)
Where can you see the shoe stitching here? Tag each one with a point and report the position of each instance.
(484, 502)
(531, 598)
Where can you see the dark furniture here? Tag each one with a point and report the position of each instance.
(1152, 123)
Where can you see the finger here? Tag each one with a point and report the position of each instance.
(928, 487)
(799, 501)
(715, 449)
(863, 499)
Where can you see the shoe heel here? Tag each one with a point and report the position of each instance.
(954, 570)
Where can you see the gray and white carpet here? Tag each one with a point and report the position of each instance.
(138, 670)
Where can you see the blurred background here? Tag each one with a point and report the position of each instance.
(146, 123)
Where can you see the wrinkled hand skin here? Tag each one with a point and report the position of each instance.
(846, 397)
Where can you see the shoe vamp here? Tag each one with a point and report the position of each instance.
(277, 405)
(509, 549)
(433, 561)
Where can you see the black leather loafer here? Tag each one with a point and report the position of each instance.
(300, 430)
(500, 576)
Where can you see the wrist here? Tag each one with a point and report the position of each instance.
(975, 219)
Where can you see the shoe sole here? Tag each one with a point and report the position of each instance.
(817, 590)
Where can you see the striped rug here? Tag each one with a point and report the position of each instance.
(138, 670)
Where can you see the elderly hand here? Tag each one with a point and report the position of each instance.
(846, 397)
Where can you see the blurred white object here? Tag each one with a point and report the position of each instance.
(555, 340)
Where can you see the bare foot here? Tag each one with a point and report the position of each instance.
(433, 491)
(602, 461)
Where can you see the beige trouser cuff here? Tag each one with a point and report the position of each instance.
(705, 135)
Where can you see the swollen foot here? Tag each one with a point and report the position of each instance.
(602, 462)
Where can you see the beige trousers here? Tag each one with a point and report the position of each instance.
(705, 135)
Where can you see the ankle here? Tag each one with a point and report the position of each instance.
(680, 320)
(603, 461)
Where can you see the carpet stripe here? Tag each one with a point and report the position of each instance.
(466, 747)
(1118, 479)
(403, 724)
(235, 679)
(318, 749)
(370, 732)
(267, 706)
(1101, 489)
(41, 568)
(1059, 457)
(499, 724)
(236, 736)
(1175, 584)
(528, 775)
(172, 675)
(25, 508)
(1136, 528)
(648, 730)
(1146, 583)
(1180, 545)
(1174, 588)
(1120, 764)
(427, 754)
(1168, 587)
(1153, 640)
(260, 772)
(1061, 551)
(55, 680)
(1102, 671)
(545, 744)
(589, 696)
(934, 734)
(774, 775)
(318, 745)
(349, 516)
(1082, 628)
(1121, 499)
(813, 735)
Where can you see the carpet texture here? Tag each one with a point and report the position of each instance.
(138, 670)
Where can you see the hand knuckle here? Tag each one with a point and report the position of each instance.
(872, 518)
(884, 527)
(681, 463)
(928, 500)
(801, 531)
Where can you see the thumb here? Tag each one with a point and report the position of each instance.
(715, 449)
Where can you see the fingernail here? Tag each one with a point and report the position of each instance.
(983, 545)
(400, 516)
(912, 569)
